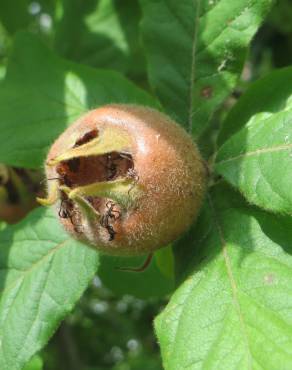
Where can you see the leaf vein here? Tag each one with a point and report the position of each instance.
(232, 282)
(193, 64)
(27, 271)
(277, 148)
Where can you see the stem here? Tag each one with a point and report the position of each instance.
(142, 268)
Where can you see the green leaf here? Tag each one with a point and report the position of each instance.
(269, 94)
(2, 225)
(149, 283)
(234, 309)
(165, 261)
(42, 94)
(281, 17)
(102, 34)
(257, 159)
(14, 17)
(2, 72)
(5, 41)
(195, 52)
(36, 363)
(43, 273)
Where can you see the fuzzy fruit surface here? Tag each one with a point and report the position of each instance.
(125, 179)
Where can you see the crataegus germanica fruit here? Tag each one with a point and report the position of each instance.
(125, 179)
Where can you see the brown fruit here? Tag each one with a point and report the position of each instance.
(126, 179)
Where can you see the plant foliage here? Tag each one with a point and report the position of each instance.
(229, 279)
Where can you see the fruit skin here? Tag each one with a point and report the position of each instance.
(171, 174)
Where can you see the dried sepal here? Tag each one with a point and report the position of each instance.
(52, 195)
(123, 191)
(108, 140)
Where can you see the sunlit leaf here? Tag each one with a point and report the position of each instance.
(258, 158)
(43, 273)
(233, 311)
(42, 94)
(269, 94)
(195, 52)
(102, 33)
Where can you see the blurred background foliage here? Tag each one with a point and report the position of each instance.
(110, 329)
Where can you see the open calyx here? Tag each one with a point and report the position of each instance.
(125, 179)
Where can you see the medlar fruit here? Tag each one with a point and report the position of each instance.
(125, 179)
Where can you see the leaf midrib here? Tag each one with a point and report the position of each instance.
(193, 65)
(277, 148)
(27, 271)
(232, 281)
